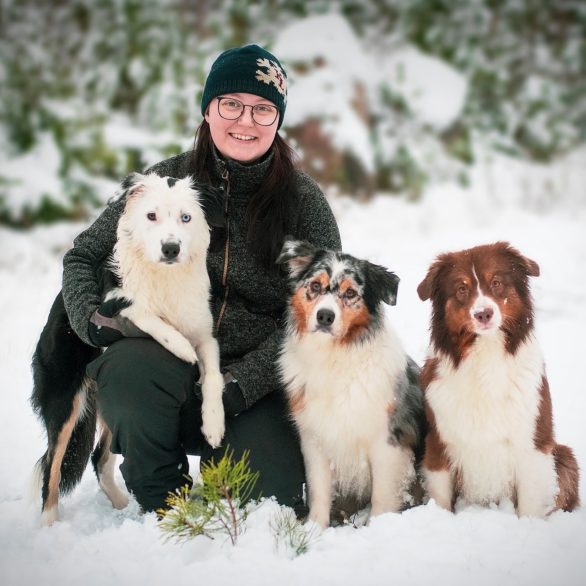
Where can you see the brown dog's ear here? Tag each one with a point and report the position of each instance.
(297, 254)
(530, 267)
(425, 288)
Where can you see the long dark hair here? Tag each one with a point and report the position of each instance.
(272, 208)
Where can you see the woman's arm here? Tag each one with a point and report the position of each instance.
(81, 288)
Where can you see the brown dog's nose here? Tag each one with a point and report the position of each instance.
(484, 315)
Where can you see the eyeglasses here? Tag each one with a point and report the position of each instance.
(231, 109)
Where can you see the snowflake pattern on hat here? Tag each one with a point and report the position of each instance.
(273, 74)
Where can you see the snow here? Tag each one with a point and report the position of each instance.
(539, 209)
(26, 187)
(94, 544)
(338, 66)
(422, 82)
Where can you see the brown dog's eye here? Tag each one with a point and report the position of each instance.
(496, 284)
(462, 293)
(315, 287)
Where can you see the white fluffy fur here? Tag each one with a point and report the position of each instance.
(171, 301)
(344, 423)
(485, 412)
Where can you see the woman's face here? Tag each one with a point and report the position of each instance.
(242, 139)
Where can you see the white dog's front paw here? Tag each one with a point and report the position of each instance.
(182, 349)
(213, 422)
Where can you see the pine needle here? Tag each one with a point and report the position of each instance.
(292, 535)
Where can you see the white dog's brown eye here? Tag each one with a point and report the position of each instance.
(185, 218)
(152, 216)
(315, 287)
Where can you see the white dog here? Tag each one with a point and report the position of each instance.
(160, 261)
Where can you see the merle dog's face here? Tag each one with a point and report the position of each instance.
(335, 294)
(163, 219)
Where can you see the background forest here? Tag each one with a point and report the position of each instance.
(94, 89)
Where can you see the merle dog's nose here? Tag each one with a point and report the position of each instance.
(170, 250)
(325, 317)
(485, 315)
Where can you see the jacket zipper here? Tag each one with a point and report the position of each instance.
(226, 188)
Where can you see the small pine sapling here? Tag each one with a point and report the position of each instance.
(290, 534)
(216, 505)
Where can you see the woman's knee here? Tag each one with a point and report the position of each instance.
(138, 374)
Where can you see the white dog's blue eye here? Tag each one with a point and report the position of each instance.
(152, 216)
(185, 218)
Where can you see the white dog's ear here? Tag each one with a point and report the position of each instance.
(297, 254)
(211, 200)
(132, 185)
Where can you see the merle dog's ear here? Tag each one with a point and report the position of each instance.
(384, 282)
(297, 254)
(211, 200)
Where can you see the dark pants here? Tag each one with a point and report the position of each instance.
(146, 397)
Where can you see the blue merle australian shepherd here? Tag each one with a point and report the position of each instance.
(352, 389)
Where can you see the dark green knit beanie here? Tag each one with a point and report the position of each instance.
(250, 69)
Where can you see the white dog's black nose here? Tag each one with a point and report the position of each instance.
(170, 250)
(325, 317)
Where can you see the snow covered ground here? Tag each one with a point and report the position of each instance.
(95, 545)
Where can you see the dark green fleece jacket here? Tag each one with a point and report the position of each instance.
(249, 331)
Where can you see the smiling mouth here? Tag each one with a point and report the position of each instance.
(243, 137)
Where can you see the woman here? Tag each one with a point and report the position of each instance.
(147, 396)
